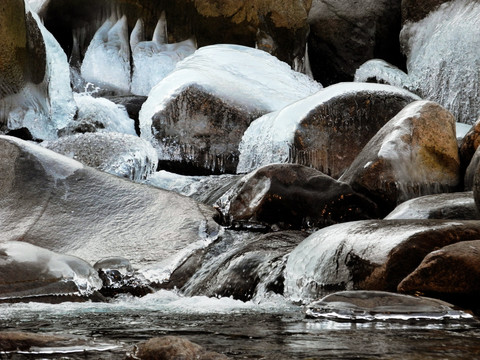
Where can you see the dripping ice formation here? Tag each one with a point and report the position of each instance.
(48, 107)
(442, 59)
(226, 72)
(107, 60)
(269, 139)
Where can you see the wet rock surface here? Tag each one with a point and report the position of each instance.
(414, 154)
(450, 273)
(14, 341)
(368, 255)
(288, 196)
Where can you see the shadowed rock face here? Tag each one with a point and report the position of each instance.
(414, 10)
(22, 50)
(279, 27)
(57, 203)
(344, 34)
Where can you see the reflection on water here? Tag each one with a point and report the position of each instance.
(272, 329)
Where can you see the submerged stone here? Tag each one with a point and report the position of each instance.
(414, 154)
(382, 306)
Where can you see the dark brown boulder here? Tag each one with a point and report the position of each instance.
(173, 347)
(345, 34)
(368, 255)
(414, 154)
(289, 196)
(467, 150)
(452, 273)
(326, 130)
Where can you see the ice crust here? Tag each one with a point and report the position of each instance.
(250, 78)
(61, 267)
(107, 59)
(269, 139)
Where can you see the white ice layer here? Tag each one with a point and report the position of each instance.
(113, 117)
(118, 154)
(250, 78)
(56, 266)
(321, 259)
(269, 139)
(154, 60)
(107, 59)
(443, 58)
(45, 108)
(382, 72)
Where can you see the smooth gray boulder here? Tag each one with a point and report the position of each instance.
(57, 203)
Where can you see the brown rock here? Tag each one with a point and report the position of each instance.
(14, 340)
(416, 10)
(173, 347)
(293, 196)
(450, 272)
(414, 154)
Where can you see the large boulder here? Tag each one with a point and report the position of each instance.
(59, 204)
(196, 116)
(368, 255)
(29, 273)
(414, 154)
(293, 196)
(345, 34)
(318, 130)
(118, 154)
(454, 206)
(452, 273)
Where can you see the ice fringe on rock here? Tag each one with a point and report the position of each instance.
(46, 108)
(107, 59)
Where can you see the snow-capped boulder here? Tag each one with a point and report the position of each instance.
(326, 130)
(414, 154)
(368, 255)
(196, 116)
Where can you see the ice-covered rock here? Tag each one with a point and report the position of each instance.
(59, 204)
(107, 60)
(318, 130)
(198, 113)
(458, 206)
(31, 272)
(118, 154)
(369, 255)
(35, 87)
(414, 154)
(99, 114)
(290, 196)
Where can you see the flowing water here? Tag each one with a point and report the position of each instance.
(270, 329)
